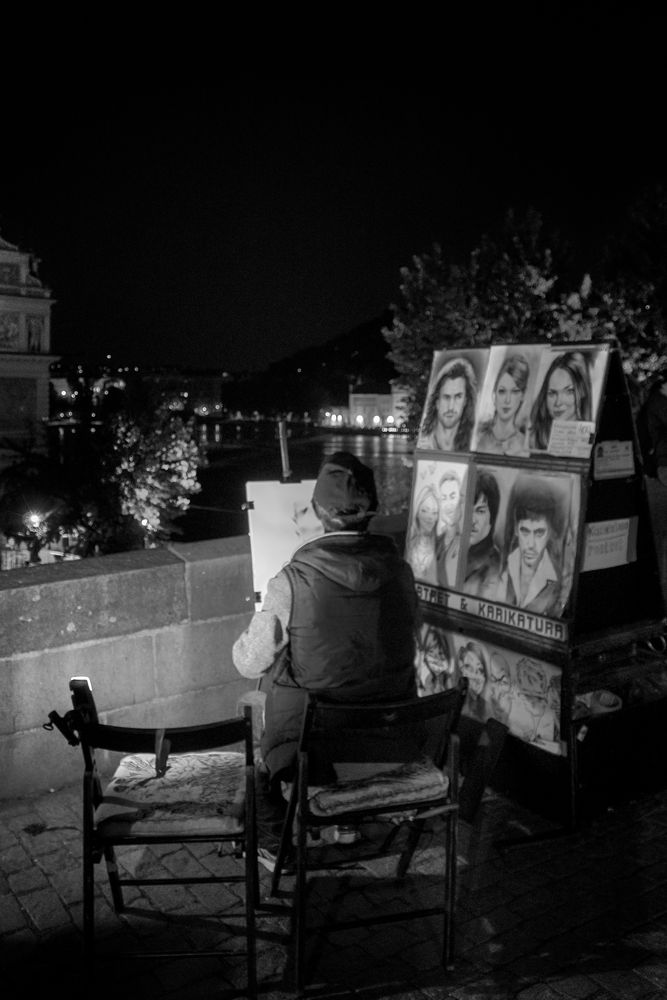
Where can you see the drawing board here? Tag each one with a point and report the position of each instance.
(280, 519)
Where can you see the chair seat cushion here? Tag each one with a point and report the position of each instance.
(200, 793)
(417, 781)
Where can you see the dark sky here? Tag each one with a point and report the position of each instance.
(228, 225)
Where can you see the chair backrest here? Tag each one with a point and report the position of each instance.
(83, 720)
(82, 698)
(396, 731)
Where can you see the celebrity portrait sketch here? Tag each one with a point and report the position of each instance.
(569, 389)
(451, 400)
(421, 537)
(503, 425)
(540, 521)
(433, 541)
(483, 560)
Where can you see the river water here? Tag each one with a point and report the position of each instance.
(217, 511)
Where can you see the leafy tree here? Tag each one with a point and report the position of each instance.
(509, 290)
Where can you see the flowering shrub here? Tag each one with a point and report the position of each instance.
(154, 470)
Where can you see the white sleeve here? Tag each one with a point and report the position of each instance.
(256, 649)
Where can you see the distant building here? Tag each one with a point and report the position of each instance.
(375, 410)
(200, 392)
(25, 343)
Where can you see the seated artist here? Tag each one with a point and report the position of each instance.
(339, 617)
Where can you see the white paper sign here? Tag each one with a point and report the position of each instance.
(571, 438)
(613, 460)
(610, 543)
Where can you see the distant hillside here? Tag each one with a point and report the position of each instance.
(323, 374)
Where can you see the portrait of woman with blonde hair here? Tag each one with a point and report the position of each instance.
(506, 433)
(420, 548)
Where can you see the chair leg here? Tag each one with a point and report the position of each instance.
(415, 831)
(251, 901)
(285, 841)
(88, 903)
(451, 827)
(114, 882)
(299, 907)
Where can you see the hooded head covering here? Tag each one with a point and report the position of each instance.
(344, 496)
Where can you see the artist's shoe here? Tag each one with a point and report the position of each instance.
(346, 834)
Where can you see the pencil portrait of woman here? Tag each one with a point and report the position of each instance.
(420, 548)
(472, 664)
(506, 432)
(565, 394)
(435, 662)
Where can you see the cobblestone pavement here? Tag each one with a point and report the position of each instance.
(582, 915)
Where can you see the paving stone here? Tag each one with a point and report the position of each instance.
(27, 880)
(655, 972)
(45, 909)
(12, 915)
(19, 948)
(581, 916)
(577, 988)
(539, 991)
(14, 859)
(624, 985)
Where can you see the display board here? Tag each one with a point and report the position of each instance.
(529, 532)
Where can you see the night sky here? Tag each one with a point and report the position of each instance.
(228, 225)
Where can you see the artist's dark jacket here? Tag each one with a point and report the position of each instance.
(351, 633)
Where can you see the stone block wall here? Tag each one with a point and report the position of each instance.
(152, 629)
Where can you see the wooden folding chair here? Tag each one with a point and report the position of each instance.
(402, 792)
(187, 785)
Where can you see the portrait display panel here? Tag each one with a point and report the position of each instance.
(553, 569)
(511, 551)
(521, 691)
(515, 400)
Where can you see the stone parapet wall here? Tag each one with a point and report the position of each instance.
(152, 629)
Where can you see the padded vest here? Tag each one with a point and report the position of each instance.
(351, 625)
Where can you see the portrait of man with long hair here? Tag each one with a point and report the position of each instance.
(449, 414)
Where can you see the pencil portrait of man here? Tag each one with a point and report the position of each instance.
(532, 574)
(449, 414)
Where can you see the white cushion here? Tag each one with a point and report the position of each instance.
(200, 793)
